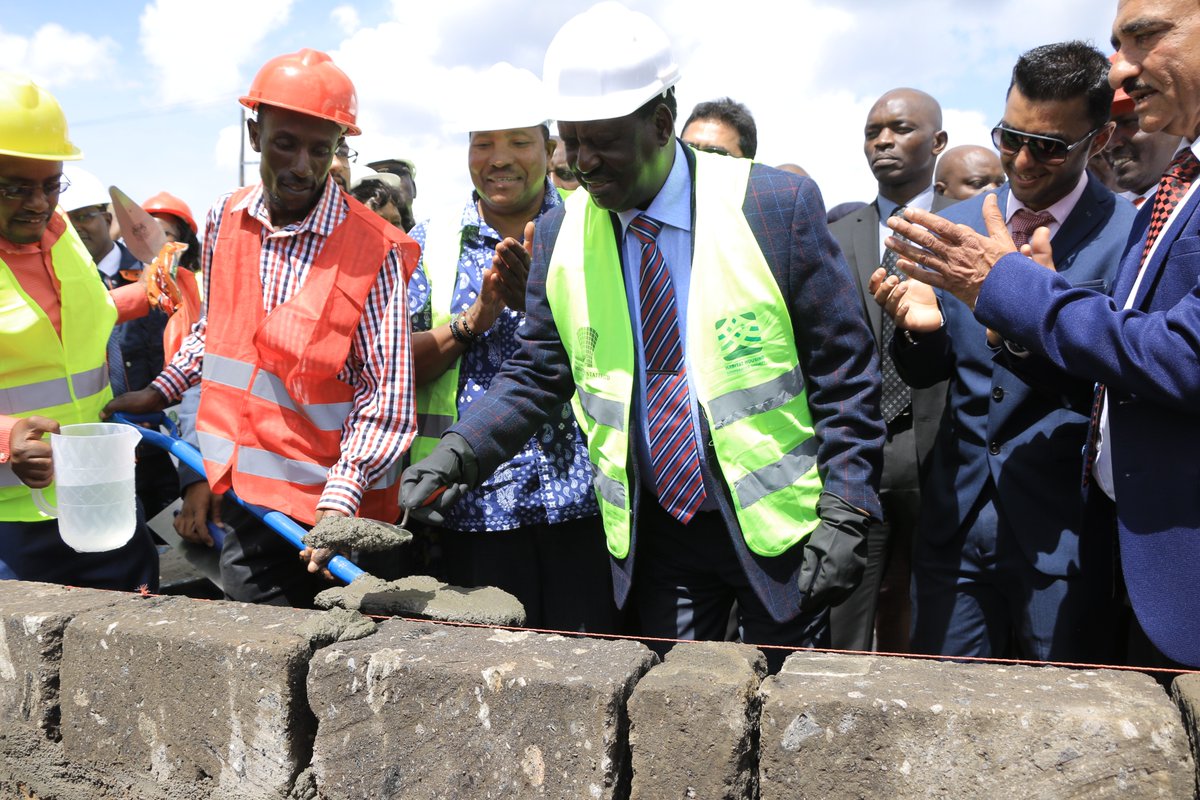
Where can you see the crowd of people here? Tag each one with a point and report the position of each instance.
(649, 385)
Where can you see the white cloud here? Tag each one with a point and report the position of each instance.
(198, 50)
(346, 18)
(55, 56)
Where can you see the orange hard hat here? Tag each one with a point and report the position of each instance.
(308, 82)
(166, 203)
(1122, 103)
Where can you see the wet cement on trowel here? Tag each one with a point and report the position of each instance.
(423, 596)
(356, 533)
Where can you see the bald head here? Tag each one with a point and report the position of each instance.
(967, 170)
(901, 140)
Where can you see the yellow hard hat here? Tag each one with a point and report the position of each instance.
(32, 124)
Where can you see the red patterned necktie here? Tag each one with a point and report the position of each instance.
(1173, 185)
(1024, 222)
(673, 446)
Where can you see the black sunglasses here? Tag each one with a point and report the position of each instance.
(1044, 149)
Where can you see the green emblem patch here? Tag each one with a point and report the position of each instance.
(739, 336)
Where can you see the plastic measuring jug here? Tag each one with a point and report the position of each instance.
(93, 484)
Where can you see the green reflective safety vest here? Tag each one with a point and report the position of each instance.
(437, 401)
(65, 378)
(742, 362)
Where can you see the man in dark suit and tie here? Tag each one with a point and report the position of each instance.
(1001, 558)
(1140, 344)
(724, 376)
(901, 139)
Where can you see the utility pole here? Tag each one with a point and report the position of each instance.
(241, 145)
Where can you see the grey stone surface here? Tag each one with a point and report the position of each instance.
(33, 617)
(1185, 691)
(190, 699)
(862, 726)
(427, 598)
(421, 710)
(693, 724)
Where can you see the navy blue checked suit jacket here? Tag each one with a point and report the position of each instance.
(1149, 358)
(836, 350)
(1027, 441)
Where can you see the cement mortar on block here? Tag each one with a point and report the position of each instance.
(693, 724)
(863, 726)
(421, 710)
(194, 699)
(1185, 691)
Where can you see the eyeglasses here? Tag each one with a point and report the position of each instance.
(348, 153)
(1043, 149)
(13, 191)
(84, 216)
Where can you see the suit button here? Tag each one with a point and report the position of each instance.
(994, 448)
(997, 394)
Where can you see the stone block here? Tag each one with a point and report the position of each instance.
(33, 617)
(693, 724)
(189, 698)
(421, 710)
(863, 726)
(1185, 691)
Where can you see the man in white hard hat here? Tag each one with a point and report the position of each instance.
(531, 529)
(729, 394)
(51, 373)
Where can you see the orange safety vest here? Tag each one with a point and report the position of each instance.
(271, 406)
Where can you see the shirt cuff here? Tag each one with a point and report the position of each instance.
(341, 494)
(170, 383)
(131, 301)
(6, 426)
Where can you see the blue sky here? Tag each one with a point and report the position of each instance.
(150, 88)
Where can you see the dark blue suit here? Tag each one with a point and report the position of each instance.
(1001, 507)
(1149, 358)
(836, 354)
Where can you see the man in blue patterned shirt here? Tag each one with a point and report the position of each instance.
(532, 529)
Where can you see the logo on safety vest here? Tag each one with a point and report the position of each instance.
(739, 336)
(585, 351)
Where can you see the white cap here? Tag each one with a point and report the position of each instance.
(607, 62)
(510, 98)
(86, 190)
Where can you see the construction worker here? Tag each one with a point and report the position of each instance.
(177, 223)
(533, 529)
(303, 353)
(723, 373)
(51, 374)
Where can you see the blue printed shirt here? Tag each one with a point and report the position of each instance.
(550, 480)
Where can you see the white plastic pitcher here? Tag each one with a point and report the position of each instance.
(93, 481)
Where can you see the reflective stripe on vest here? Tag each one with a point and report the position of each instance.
(741, 355)
(437, 400)
(62, 377)
(265, 464)
(270, 387)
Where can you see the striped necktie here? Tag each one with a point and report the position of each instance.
(1173, 185)
(673, 447)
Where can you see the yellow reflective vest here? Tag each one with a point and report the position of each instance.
(741, 361)
(65, 378)
(437, 401)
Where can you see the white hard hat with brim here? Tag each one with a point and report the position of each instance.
(605, 63)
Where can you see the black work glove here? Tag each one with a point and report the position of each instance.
(835, 554)
(452, 466)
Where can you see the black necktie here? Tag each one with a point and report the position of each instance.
(897, 396)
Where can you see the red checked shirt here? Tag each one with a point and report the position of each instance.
(381, 424)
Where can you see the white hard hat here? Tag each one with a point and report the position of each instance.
(85, 190)
(607, 62)
(359, 173)
(511, 97)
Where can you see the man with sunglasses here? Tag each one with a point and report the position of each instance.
(51, 374)
(1000, 558)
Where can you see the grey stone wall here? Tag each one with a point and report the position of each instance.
(108, 695)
